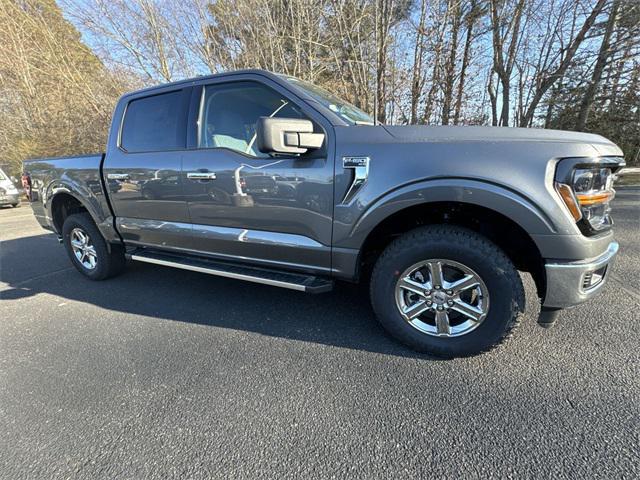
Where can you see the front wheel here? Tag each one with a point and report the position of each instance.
(447, 291)
(88, 250)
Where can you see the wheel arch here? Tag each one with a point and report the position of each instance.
(485, 208)
(65, 198)
(63, 203)
(483, 193)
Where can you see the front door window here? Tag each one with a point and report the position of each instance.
(229, 114)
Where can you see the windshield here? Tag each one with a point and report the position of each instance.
(343, 109)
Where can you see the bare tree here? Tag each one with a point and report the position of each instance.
(417, 68)
(471, 19)
(553, 63)
(604, 54)
(506, 31)
(546, 77)
(440, 20)
(450, 71)
(57, 96)
(133, 34)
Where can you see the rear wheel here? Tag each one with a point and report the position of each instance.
(88, 250)
(447, 291)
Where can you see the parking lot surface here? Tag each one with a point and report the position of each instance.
(162, 373)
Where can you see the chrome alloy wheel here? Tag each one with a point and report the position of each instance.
(83, 249)
(442, 298)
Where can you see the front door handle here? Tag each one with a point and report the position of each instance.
(201, 175)
(118, 176)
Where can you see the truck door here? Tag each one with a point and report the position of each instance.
(246, 204)
(143, 169)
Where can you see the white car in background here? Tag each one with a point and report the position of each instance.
(9, 194)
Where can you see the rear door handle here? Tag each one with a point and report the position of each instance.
(118, 176)
(201, 175)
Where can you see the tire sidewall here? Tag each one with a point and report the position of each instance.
(85, 223)
(478, 254)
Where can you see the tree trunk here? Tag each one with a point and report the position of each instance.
(548, 81)
(383, 24)
(450, 66)
(603, 57)
(465, 63)
(506, 96)
(417, 80)
(552, 104)
(435, 71)
(493, 97)
(503, 67)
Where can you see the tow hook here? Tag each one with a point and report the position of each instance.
(548, 316)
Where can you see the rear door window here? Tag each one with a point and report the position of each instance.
(155, 123)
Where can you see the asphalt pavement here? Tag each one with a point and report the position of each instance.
(161, 373)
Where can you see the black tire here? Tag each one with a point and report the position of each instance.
(465, 247)
(14, 205)
(107, 264)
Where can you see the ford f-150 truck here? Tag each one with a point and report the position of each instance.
(265, 178)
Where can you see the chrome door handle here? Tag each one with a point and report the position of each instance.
(118, 176)
(201, 175)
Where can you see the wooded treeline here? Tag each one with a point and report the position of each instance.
(569, 64)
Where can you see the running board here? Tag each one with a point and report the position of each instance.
(276, 278)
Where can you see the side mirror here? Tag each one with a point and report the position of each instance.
(286, 135)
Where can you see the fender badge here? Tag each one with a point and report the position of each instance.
(360, 166)
(354, 162)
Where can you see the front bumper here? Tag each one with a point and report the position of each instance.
(10, 198)
(572, 283)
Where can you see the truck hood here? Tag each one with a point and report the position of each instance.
(423, 133)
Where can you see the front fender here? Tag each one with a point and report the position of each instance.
(513, 205)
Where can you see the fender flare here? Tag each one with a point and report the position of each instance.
(88, 200)
(499, 198)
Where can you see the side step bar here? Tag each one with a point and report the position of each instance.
(276, 278)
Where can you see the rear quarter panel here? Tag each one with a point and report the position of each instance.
(75, 176)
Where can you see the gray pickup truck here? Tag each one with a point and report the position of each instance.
(266, 178)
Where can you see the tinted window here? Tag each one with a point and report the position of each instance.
(154, 123)
(230, 113)
(344, 109)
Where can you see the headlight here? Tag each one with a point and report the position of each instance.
(587, 192)
(594, 191)
(2, 191)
